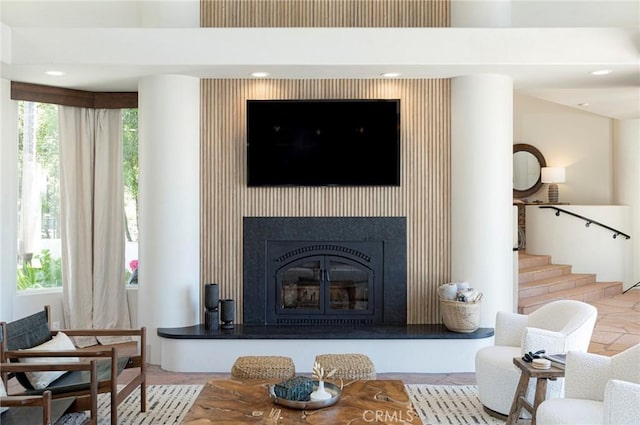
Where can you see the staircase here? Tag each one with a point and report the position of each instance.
(541, 282)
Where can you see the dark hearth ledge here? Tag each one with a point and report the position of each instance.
(426, 331)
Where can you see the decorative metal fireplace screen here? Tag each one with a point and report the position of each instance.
(324, 270)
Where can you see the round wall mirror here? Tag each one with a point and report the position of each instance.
(527, 166)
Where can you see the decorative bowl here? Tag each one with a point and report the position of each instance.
(333, 389)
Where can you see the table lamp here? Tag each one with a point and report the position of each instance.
(553, 175)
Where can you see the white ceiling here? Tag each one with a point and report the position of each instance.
(549, 49)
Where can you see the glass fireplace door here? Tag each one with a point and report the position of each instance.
(348, 286)
(326, 285)
(300, 286)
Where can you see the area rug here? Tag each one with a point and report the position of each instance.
(449, 404)
(166, 404)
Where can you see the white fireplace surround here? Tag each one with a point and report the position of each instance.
(388, 356)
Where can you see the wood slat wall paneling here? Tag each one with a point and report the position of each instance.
(324, 13)
(423, 196)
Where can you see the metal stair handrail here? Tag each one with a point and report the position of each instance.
(589, 221)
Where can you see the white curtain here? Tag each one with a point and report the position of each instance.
(92, 216)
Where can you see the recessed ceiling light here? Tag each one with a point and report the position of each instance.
(601, 72)
(55, 73)
(260, 74)
(390, 74)
(584, 104)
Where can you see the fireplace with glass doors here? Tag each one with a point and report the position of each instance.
(321, 270)
(331, 282)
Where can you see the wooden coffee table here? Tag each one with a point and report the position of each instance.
(248, 402)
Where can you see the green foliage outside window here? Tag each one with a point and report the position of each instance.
(47, 275)
(130, 168)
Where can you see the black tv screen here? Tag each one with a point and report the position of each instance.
(323, 142)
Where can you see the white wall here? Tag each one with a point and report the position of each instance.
(9, 196)
(588, 249)
(479, 14)
(626, 179)
(568, 137)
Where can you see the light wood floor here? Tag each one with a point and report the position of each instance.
(617, 328)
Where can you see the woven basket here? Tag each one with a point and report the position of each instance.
(348, 366)
(459, 316)
(263, 367)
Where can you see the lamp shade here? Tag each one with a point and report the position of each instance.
(553, 175)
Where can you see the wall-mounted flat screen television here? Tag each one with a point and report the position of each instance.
(323, 142)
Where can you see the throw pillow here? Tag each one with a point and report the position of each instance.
(60, 342)
(3, 393)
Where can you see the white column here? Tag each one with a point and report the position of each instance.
(481, 13)
(626, 182)
(9, 196)
(481, 189)
(169, 205)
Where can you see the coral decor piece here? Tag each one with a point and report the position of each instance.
(318, 373)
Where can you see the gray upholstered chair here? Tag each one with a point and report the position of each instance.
(556, 327)
(598, 389)
(30, 340)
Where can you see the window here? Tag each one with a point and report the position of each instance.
(39, 263)
(130, 170)
(39, 244)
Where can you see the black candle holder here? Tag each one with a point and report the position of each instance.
(227, 313)
(211, 299)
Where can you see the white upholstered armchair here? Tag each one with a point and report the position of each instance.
(598, 389)
(556, 327)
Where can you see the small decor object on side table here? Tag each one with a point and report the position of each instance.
(318, 373)
(557, 359)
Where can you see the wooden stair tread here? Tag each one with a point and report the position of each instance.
(553, 284)
(529, 260)
(535, 269)
(571, 291)
(542, 272)
(557, 279)
(525, 254)
(588, 292)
